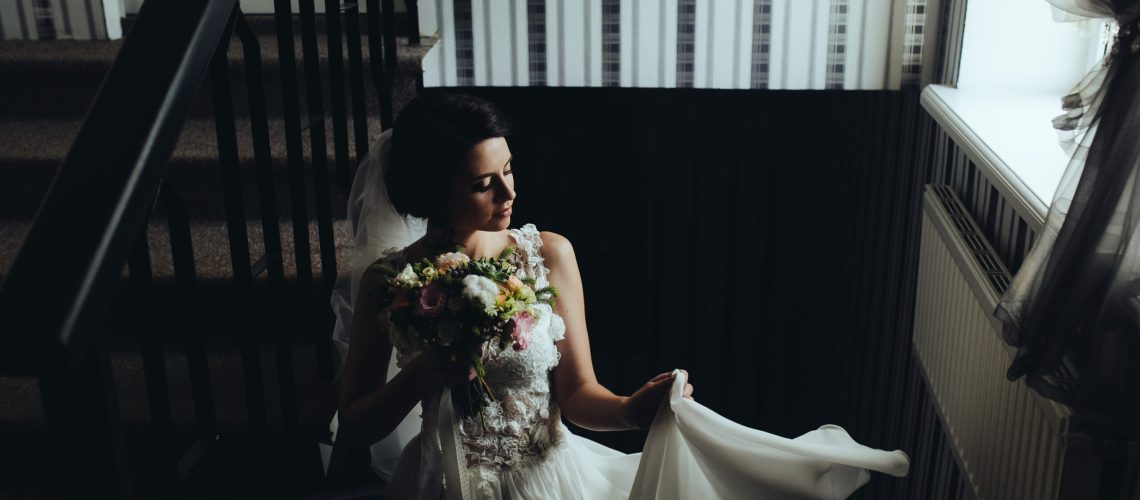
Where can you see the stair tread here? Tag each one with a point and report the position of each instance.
(316, 397)
(101, 53)
(60, 77)
(210, 241)
(31, 151)
(59, 51)
(36, 140)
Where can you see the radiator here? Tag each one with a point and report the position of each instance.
(1009, 442)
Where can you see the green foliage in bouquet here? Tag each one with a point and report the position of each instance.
(456, 306)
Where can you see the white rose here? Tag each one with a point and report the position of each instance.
(407, 277)
(481, 289)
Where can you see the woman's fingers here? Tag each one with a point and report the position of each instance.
(687, 392)
(661, 377)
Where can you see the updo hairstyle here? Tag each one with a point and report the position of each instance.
(430, 141)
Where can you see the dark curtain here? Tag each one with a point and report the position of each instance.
(1074, 308)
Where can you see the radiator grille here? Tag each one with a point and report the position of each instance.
(1008, 441)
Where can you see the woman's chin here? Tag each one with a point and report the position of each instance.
(500, 222)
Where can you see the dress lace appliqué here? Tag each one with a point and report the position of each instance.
(523, 423)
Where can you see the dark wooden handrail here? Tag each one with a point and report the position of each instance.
(61, 279)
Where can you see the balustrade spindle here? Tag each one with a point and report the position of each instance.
(230, 165)
(319, 149)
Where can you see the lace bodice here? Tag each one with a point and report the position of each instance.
(523, 422)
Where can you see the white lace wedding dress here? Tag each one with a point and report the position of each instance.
(526, 452)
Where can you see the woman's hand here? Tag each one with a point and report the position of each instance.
(640, 408)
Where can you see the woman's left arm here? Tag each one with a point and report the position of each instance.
(582, 399)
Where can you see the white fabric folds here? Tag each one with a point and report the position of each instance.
(691, 452)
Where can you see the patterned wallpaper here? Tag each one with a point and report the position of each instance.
(774, 44)
(52, 20)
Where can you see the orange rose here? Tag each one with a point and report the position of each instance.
(514, 284)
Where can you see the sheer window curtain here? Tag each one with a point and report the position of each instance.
(1075, 303)
(729, 44)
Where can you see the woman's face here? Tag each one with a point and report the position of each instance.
(483, 191)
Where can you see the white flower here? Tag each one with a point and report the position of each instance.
(451, 260)
(407, 278)
(481, 289)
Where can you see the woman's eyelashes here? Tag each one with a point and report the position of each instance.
(482, 188)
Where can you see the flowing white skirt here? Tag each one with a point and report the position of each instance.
(691, 452)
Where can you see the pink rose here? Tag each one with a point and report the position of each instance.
(432, 300)
(520, 327)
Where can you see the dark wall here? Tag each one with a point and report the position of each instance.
(766, 241)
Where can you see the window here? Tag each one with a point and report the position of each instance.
(1011, 79)
(1035, 53)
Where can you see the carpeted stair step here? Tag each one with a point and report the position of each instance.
(220, 316)
(49, 87)
(59, 79)
(23, 400)
(31, 152)
(210, 241)
(235, 465)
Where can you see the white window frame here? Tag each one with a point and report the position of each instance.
(1016, 64)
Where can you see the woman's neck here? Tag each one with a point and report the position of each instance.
(475, 243)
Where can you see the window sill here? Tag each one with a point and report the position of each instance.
(1009, 135)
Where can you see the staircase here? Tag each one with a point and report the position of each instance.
(46, 90)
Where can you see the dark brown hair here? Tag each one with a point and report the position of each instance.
(430, 141)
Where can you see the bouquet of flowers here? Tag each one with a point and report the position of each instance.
(455, 305)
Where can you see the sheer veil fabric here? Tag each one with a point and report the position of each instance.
(377, 228)
(690, 452)
(1075, 297)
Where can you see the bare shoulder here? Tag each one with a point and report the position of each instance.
(383, 267)
(556, 248)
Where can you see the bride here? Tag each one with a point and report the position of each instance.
(442, 177)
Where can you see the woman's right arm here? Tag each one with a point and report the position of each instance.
(371, 408)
